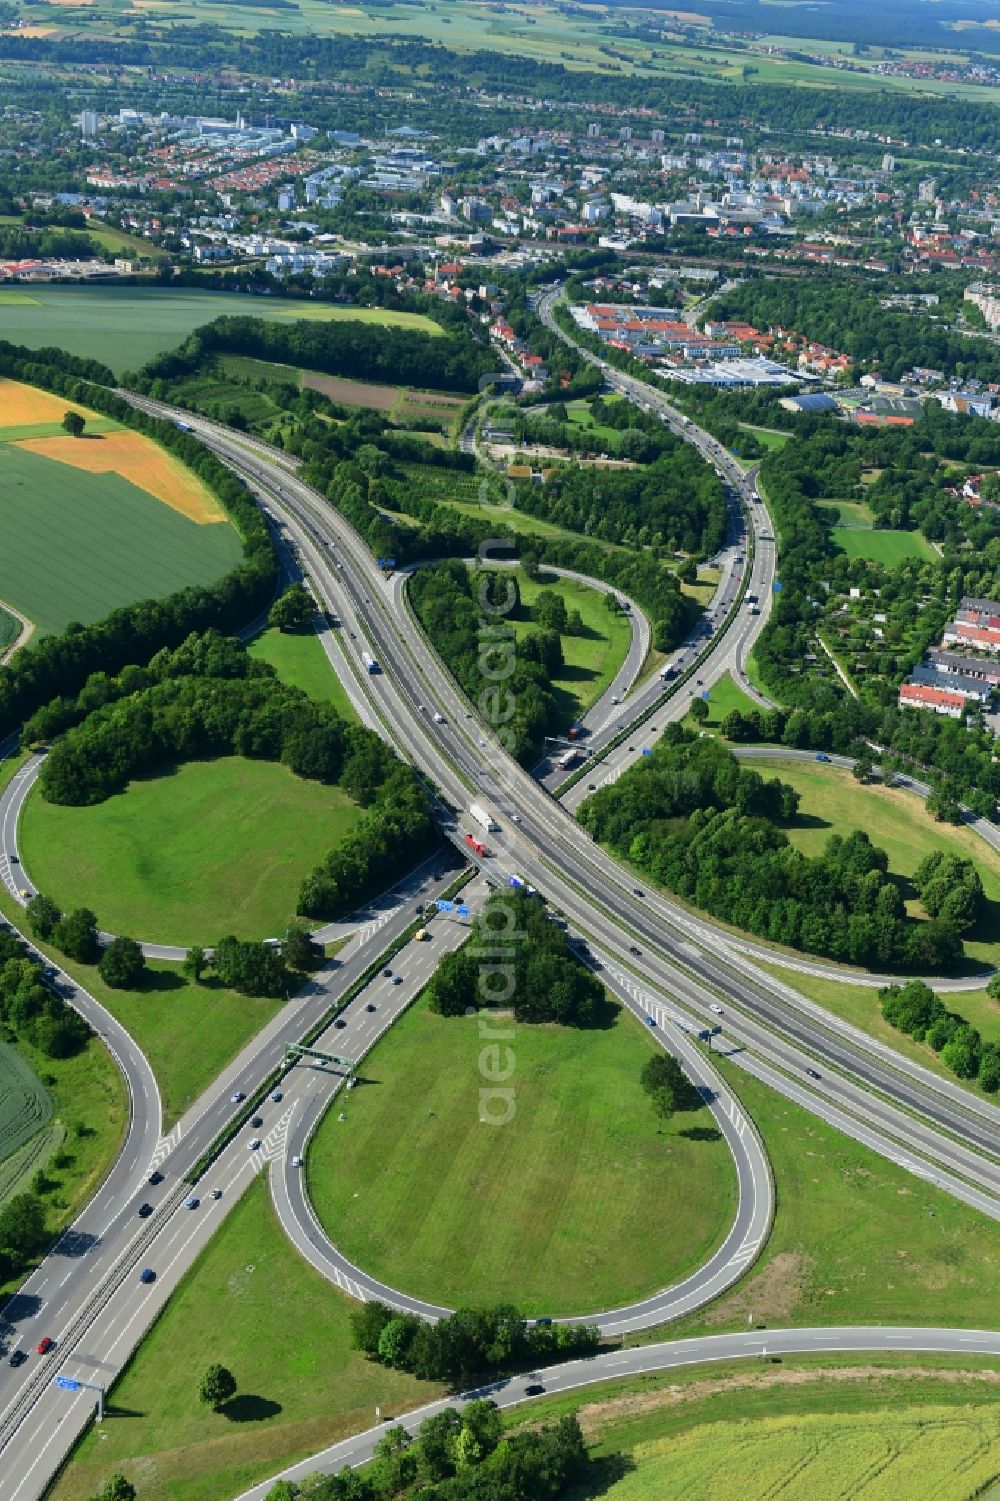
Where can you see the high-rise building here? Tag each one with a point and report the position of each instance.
(88, 124)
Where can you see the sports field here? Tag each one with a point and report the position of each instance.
(76, 544)
(578, 1203)
(126, 326)
(210, 848)
(833, 802)
(884, 547)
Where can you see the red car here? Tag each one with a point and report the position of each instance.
(44, 1345)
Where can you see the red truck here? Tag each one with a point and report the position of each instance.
(475, 844)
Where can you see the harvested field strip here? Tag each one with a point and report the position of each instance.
(25, 1103)
(28, 406)
(354, 393)
(139, 460)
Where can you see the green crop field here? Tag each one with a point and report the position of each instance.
(591, 660)
(833, 802)
(883, 547)
(76, 545)
(629, 1425)
(9, 629)
(251, 1303)
(81, 1138)
(126, 326)
(25, 1104)
(210, 848)
(301, 662)
(926, 1454)
(856, 1239)
(562, 1210)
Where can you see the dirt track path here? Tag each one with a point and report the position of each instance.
(24, 636)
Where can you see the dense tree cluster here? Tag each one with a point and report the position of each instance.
(208, 697)
(469, 617)
(915, 1009)
(706, 828)
(458, 1456)
(676, 502)
(472, 1343)
(353, 349)
(31, 1009)
(132, 634)
(542, 980)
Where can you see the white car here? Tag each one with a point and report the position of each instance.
(716, 1008)
(439, 719)
(255, 1145)
(296, 1162)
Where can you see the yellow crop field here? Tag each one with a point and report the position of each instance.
(10, 297)
(139, 460)
(21, 405)
(920, 1454)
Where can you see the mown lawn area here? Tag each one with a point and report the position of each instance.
(767, 437)
(577, 1203)
(856, 1240)
(76, 545)
(252, 1304)
(724, 696)
(592, 659)
(205, 849)
(301, 662)
(832, 802)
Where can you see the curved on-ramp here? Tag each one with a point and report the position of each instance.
(736, 1253)
(576, 1375)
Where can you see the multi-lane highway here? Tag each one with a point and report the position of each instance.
(667, 965)
(682, 956)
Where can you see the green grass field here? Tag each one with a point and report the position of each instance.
(849, 513)
(591, 660)
(887, 548)
(301, 662)
(251, 1303)
(126, 326)
(856, 1240)
(925, 1454)
(562, 1210)
(723, 697)
(833, 802)
(768, 437)
(211, 848)
(77, 545)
